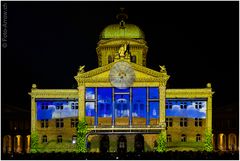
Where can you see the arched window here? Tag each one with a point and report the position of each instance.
(198, 137)
(74, 139)
(59, 138)
(183, 138)
(44, 139)
(110, 59)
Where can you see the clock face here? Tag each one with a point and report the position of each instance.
(122, 75)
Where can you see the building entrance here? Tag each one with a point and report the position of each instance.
(122, 144)
(139, 143)
(104, 144)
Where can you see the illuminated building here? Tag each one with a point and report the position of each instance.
(225, 128)
(15, 133)
(126, 105)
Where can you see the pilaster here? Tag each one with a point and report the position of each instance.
(33, 114)
(162, 95)
(33, 110)
(209, 113)
(81, 101)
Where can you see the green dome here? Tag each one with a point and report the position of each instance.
(115, 31)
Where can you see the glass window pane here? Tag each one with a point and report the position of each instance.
(135, 110)
(118, 90)
(139, 101)
(153, 93)
(104, 102)
(154, 109)
(90, 109)
(122, 105)
(90, 93)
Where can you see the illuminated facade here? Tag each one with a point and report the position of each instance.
(126, 105)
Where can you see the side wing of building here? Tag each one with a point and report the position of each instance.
(188, 117)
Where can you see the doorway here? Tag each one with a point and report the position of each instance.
(122, 144)
(139, 143)
(104, 144)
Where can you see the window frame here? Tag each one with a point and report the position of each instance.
(59, 139)
(198, 138)
(44, 139)
(183, 138)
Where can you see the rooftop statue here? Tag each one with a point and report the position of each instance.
(163, 69)
(81, 68)
(123, 49)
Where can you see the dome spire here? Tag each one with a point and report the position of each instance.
(122, 17)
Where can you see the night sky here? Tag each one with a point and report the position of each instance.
(47, 41)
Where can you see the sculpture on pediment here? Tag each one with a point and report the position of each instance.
(81, 68)
(163, 69)
(122, 50)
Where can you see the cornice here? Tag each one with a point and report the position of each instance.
(120, 40)
(54, 93)
(189, 93)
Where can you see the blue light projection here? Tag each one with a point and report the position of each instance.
(90, 108)
(90, 93)
(122, 105)
(115, 102)
(153, 93)
(195, 109)
(139, 102)
(154, 109)
(104, 102)
(53, 109)
(90, 104)
(116, 90)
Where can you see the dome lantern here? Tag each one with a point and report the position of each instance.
(114, 36)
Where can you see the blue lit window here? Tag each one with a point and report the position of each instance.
(44, 106)
(122, 105)
(118, 90)
(198, 105)
(104, 102)
(153, 93)
(187, 109)
(169, 105)
(43, 112)
(154, 109)
(56, 108)
(59, 106)
(90, 93)
(183, 105)
(139, 96)
(90, 108)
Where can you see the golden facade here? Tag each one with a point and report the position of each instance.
(122, 125)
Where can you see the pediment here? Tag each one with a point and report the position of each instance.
(141, 73)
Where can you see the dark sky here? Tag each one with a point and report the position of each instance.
(47, 41)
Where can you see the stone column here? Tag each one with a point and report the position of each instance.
(28, 144)
(209, 113)
(18, 143)
(81, 102)
(162, 98)
(9, 144)
(33, 114)
(33, 109)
